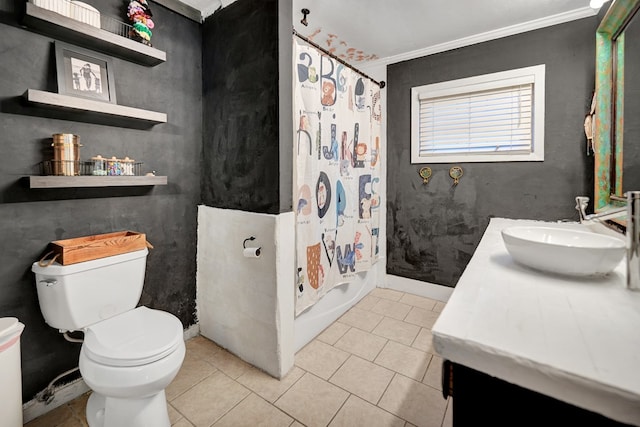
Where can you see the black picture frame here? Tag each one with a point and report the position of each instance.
(84, 73)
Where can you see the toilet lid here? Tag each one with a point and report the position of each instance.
(134, 338)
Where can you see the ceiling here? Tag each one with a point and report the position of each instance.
(389, 31)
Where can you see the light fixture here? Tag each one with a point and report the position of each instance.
(305, 12)
(596, 4)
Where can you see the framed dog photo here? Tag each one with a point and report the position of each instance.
(84, 73)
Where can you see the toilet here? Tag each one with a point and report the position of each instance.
(129, 355)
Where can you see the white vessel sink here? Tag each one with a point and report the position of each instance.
(564, 251)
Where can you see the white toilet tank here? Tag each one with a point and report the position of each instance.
(75, 296)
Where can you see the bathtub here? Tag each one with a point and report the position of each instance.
(315, 319)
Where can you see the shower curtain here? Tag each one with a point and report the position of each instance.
(337, 153)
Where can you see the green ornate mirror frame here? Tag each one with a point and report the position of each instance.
(609, 118)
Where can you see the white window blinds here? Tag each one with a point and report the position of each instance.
(479, 118)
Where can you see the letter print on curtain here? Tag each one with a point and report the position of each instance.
(337, 151)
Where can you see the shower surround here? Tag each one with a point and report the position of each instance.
(246, 304)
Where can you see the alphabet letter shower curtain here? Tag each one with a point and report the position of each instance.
(337, 119)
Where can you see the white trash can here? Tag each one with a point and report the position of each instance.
(10, 372)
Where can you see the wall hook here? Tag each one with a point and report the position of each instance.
(305, 12)
(425, 174)
(456, 173)
(244, 244)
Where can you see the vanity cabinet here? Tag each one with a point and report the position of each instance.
(482, 400)
(532, 344)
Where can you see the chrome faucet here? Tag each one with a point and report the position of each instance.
(581, 205)
(632, 232)
(633, 240)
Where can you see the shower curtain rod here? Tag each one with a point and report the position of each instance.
(346, 64)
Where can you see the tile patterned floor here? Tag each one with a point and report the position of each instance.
(373, 367)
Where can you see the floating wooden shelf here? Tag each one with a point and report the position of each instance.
(94, 181)
(85, 35)
(55, 100)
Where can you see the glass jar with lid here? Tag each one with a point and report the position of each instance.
(128, 166)
(114, 166)
(98, 166)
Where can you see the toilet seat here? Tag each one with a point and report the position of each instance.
(134, 338)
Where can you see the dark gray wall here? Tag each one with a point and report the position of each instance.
(241, 167)
(30, 219)
(285, 103)
(631, 158)
(433, 230)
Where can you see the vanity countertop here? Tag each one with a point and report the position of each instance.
(574, 339)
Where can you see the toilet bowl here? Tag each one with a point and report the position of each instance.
(128, 361)
(129, 355)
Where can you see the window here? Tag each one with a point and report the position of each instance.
(495, 117)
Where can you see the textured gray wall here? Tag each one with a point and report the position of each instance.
(241, 124)
(631, 158)
(285, 103)
(433, 230)
(30, 219)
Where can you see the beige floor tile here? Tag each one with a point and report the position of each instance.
(79, 405)
(333, 333)
(266, 386)
(421, 317)
(418, 301)
(403, 359)
(210, 399)
(312, 401)
(394, 309)
(358, 413)
(192, 371)
(361, 343)
(391, 294)
(182, 423)
(368, 302)
(202, 347)
(439, 307)
(361, 319)
(433, 376)
(424, 341)
(174, 415)
(229, 363)
(54, 418)
(415, 402)
(320, 359)
(448, 415)
(73, 422)
(362, 378)
(396, 330)
(254, 411)
(204, 391)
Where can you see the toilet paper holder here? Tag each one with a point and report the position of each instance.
(250, 252)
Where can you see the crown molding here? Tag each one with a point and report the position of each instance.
(524, 27)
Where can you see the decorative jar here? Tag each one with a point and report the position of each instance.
(114, 167)
(98, 165)
(128, 166)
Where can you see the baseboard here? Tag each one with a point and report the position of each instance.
(62, 394)
(417, 287)
(192, 331)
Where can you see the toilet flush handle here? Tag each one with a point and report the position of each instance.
(49, 282)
